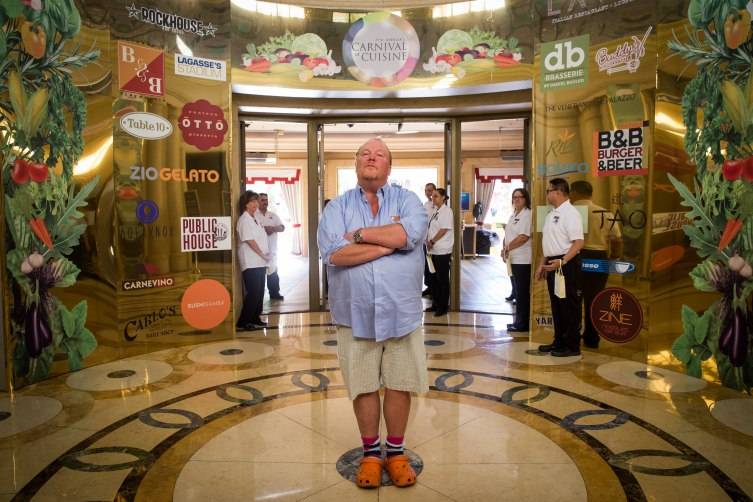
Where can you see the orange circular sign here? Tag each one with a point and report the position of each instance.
(617, 315)
(205, 304)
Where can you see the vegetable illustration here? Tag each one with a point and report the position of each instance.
(43, 118)
(731, 229)
(717, 109)
(34, 39)
(737, 28)
(37, 334)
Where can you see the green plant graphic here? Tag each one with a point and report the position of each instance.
(42, 117)
(721, 200)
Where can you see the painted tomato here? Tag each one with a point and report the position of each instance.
(732, 169)
(38, 172)
(20, 172)
(747, 170)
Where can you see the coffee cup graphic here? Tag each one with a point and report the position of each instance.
(622, 267)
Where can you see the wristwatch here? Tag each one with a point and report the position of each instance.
(564, 261)
(357, 236)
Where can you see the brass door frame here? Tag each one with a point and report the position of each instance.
(314, 169)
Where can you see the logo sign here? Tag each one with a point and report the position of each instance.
(145, 125)
(381, 49)
(210, 69)
(564, 63)
(147, 211)
(203, 124)
(607, 267)
(627, 57)
(170, 22)
(668, 222)
(567, 10)
(617, 315)
(141, 173)
(544, 321)
(205, 304)
(155, 320)
(141, 69)
(212, 233)
(620, 152)
(162, 282)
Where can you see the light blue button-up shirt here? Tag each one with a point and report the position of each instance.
(379, 299)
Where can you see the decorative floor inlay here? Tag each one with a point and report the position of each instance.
(735, 413)
(466, 384)
(265, 416)
(645, 377)
(232, 352)
(133, 373)
(25, 413)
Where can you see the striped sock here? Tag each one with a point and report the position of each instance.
(395, 445)
(372, 447)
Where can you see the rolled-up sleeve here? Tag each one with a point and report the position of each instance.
(414, 220)
(330, 236)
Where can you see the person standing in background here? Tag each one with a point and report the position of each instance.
(562, 240)
(440, 240)
(429, 206)
(253, 257)
(603, 236)
(517, 250)
(272, 225)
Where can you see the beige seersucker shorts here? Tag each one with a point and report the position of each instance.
(397, 363)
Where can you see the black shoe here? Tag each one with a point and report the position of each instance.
(259, 324)
(591, 345)
(277, 297)
(510, 298)
(548, 347)
(241, 327)
(440, 313)
(565, 353)
(426, 292)
(430, 309)
(511, 328)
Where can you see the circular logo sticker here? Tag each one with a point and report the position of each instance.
(617, 315)
(205, 304)
(381, 49)
(147, 211)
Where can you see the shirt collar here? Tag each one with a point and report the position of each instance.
(563, 205)
(380, 191)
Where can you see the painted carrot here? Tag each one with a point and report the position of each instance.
(731, 229)
(40, 230)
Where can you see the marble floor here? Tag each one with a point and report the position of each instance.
(264, 416)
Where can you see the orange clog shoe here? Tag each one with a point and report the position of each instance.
(400, 471)
(369, 473)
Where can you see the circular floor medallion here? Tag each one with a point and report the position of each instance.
(133, 373)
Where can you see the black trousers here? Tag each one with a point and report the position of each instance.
(566, 312)
(273, 284)
(253, 281)
(440, 282)
(521, 285)
(427, 275)
(593, 284)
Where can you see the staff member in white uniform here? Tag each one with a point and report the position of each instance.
(562, 241)
(272, 225)
(604, 235)
(253, 255)
(429, 206)
(439, 246)
(517, 250)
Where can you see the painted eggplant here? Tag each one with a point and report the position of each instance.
(37, 333)
(734, 339)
